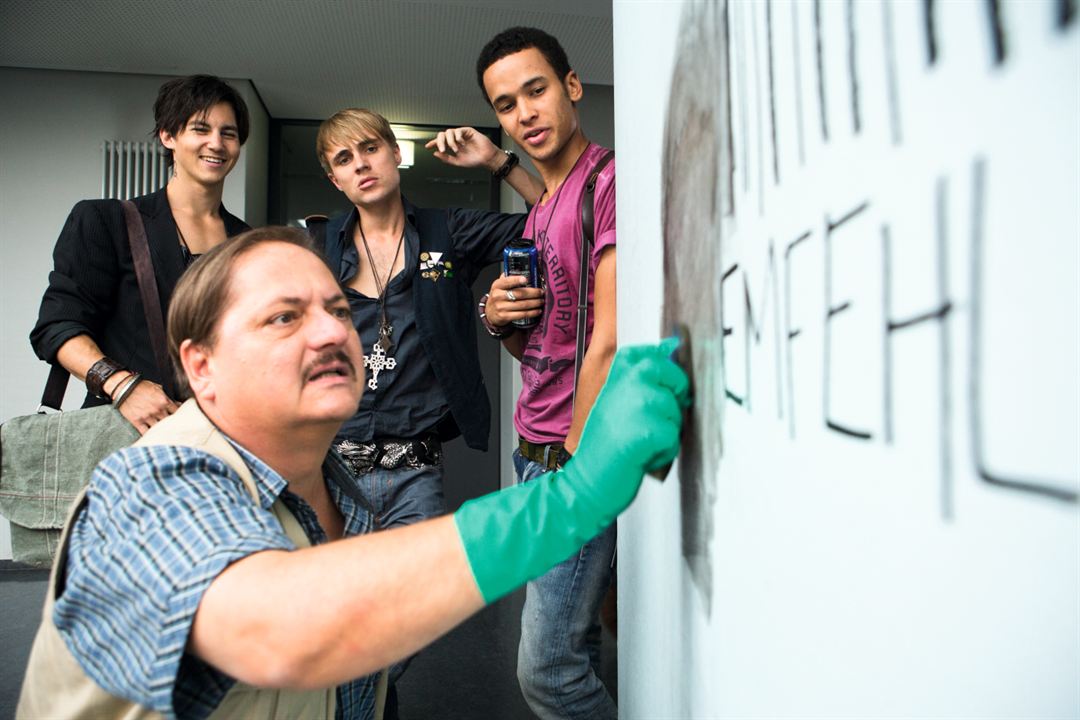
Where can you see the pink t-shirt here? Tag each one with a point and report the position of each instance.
(545, 407)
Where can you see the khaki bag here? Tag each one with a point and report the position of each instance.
(45, 460)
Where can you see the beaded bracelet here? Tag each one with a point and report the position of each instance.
(496, 332)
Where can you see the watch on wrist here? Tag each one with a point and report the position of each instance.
(504, 170)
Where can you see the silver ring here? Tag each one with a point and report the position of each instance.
(510, 295)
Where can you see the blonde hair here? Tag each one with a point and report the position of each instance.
(347, 126)
(203, 293)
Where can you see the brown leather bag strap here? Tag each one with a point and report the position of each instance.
(53, 397)
(588, 202)
(148, 291)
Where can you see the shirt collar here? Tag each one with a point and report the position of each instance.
(339, 481)
(350, 257)
(267, 481)
(349, 226)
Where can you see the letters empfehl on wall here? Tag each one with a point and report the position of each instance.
(867, 213)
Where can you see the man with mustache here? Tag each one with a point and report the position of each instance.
(222, 565)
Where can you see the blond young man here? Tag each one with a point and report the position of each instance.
(408, 274)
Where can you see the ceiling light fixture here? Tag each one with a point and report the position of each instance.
(408, 153)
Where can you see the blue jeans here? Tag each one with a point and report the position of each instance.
(402, 497)
(559, 654)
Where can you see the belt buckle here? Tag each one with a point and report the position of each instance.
(394, 455)
(359, 456)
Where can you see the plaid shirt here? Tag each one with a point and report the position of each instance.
(161, 523)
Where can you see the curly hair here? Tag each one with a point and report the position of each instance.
(516, 39)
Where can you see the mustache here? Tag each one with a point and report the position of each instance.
(327, 358)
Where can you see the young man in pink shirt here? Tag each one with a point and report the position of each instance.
(526, 77)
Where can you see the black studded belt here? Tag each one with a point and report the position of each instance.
(391, 453)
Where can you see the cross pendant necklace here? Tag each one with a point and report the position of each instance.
(380, 359)
(376, 362)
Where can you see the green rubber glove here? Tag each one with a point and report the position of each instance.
(513, 536)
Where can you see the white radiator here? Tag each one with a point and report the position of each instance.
(130, 169)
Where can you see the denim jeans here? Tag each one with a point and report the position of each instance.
(559, 654)
(402, 497)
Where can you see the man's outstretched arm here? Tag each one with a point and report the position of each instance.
(324, 615)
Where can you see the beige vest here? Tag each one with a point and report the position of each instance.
(56, 686)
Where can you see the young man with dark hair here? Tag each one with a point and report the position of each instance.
(222, 566)
(525, 76)
(92, 320)
(183, 98)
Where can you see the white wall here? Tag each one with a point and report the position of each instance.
(867, 568)
(52, 125)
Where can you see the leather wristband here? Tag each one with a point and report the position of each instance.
(98, 373)
(494, 331)
(511, 162)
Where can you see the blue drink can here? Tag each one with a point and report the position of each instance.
(520, 258)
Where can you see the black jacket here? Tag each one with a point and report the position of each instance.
(445, 307)
(92, 287)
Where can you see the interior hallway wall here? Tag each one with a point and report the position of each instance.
(866, 211)
(52, 125)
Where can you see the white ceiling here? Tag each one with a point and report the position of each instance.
(411, 60)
